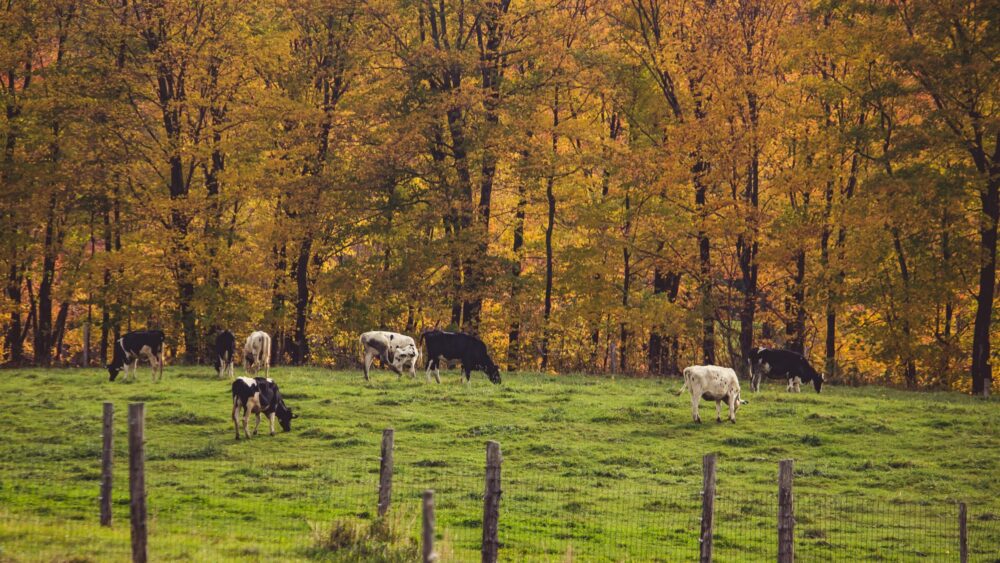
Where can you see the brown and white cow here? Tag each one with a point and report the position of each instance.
(712, 383)
(257, 353)
(397, 351)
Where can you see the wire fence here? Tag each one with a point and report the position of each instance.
(262, 508)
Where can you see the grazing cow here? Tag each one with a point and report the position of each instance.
(257, 353)
(259, 395)
(782, 364)
(225, 353)
(128, 348)
(457, 346)
(397, 351)
(712, 383)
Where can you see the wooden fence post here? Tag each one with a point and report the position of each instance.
(786, 513)
(137, 479)
(707, 506)
(963, 533)
(385, 473)
(107, 462)
(491, 503)
(428, 528)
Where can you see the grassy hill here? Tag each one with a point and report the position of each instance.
(595, 468)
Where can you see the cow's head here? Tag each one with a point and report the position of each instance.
(113, 371)
(818, 382)
(284, 415)
(493, 372)
(248, 360)
(740, 401)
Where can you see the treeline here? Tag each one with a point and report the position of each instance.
(602, 185)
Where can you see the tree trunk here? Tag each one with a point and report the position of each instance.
(549, 228)
(662, 359)
(982, 371)
(13, 340)
(704, 267)
(490, 34)
(43, 336)
(460, 152)
(747, 246)
(514, 335)
(301, 352)
(278, 300)
(796, 327)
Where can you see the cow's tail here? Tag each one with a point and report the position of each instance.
(687, 381)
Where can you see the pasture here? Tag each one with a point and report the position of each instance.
(594, 467)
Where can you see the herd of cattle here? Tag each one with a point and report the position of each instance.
(398, 352)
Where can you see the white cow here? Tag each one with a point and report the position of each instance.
(397, 351)
(257, 353)
(712, 383)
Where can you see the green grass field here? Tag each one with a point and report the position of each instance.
(594, 468)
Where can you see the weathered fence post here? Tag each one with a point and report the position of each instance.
(491, 503)
(428, 529)
(707, 506)
(786, 514)
(385, 473)
(963, 533)
(107, 462)
(137, 479)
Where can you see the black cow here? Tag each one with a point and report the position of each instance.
(225, 353)
(457, 346)
(258, 395)
(128, 348)
(782, 364)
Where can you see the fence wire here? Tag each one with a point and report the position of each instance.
(259, 508)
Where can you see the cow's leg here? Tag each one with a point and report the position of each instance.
(413, 369)
(236, 412)
(718, 410)
(435, 364)
(694, 406)
(271, 418)
(267, 367)
(755, 382)
(732, 409)
(257, 423)
(791, 384)
(246, 421)
(135, 369)
(152, 364)
(798, 384)
(369, 358)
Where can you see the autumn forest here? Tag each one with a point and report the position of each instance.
(623, 186)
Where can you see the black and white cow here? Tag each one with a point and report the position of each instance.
(128, 348)
(225, 353)
(257, 353)
(782, 364)
(259, 395)
(397, 351)
(469, 350)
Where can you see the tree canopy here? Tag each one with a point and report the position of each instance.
(599, 185)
